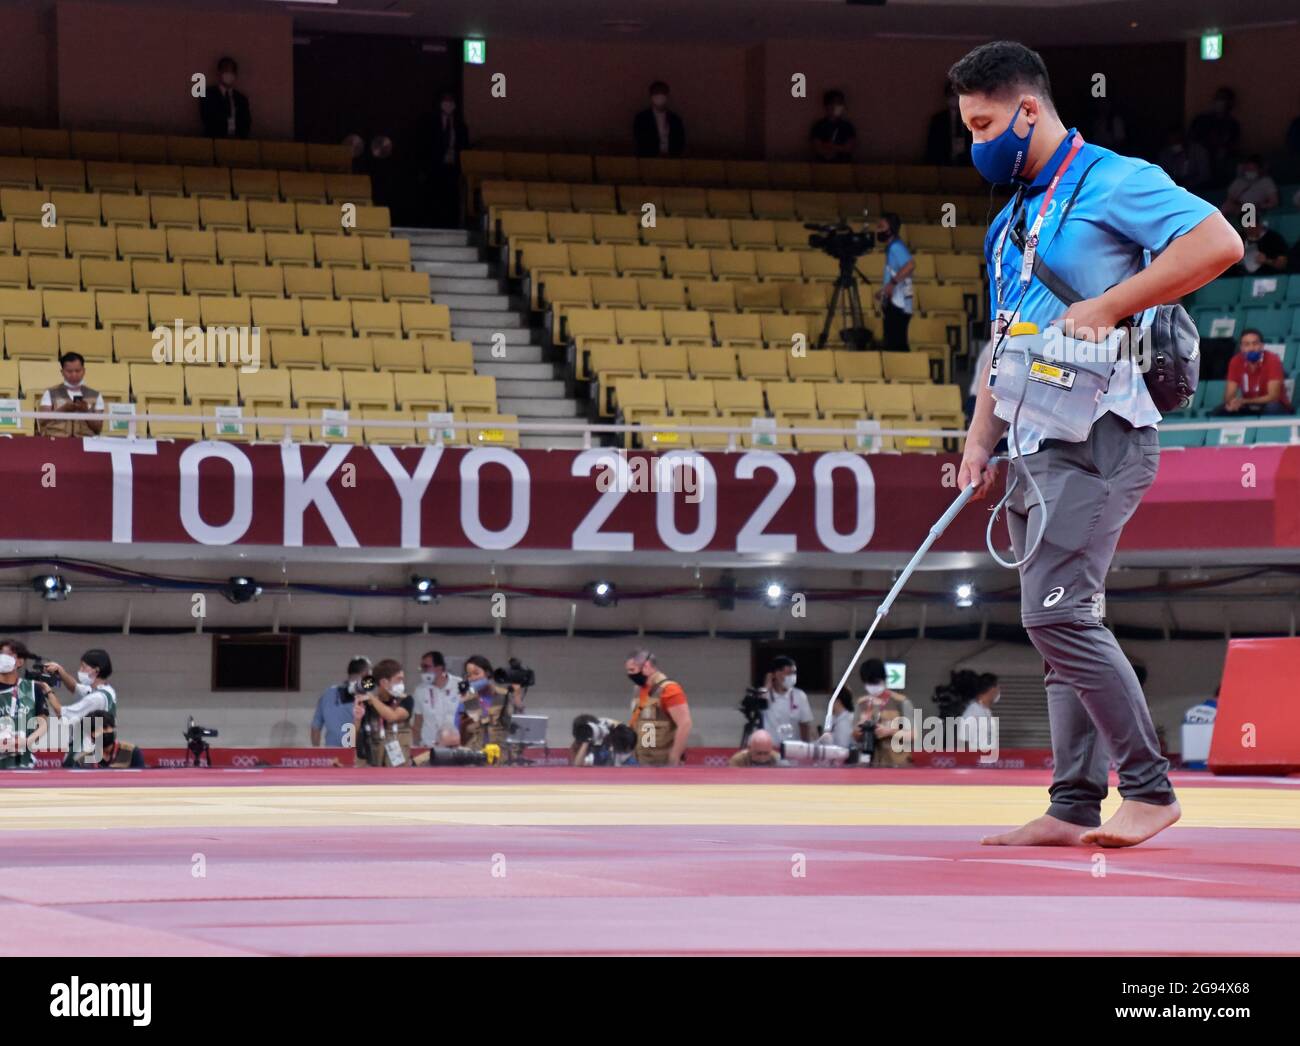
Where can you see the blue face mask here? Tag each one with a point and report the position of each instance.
(1255, 355)
(1002, 158)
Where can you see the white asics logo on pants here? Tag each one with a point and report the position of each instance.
(1054, 597)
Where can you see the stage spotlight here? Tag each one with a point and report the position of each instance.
(242, 590)
(52, 587)
(424, 589)
(965, 594)
(603, 593)
(774, 594)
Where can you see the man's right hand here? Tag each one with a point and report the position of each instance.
(975, 469)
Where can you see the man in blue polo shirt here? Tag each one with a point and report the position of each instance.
(1132, 240)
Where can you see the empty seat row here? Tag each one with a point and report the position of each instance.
(128, 243)
(219, 183)
(634, 200)
(245, 278)
(114, 310)
(110, 146)
(1248, 291)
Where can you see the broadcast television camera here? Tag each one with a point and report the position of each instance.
(839, 240)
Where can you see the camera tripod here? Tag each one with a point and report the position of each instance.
(846, 303)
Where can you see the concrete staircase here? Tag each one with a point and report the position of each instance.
(464, 277)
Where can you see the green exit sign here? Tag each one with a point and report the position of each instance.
(896, 675)
(475, 52)
(1211, 47)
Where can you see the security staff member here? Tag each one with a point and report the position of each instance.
(1133, 240)
(660, 714)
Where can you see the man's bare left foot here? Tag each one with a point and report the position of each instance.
(1133, 823)
(1041, 831)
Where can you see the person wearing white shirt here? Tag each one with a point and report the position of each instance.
(987, 694)
(94, 695)
(73, 397)
(789, 716)
(436, 700)
(841, 728)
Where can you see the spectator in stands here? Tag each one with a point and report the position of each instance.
(72, 397)
(1252, 188)
(224, 111)
(23, 712)
(660, 715)
(334, 710)
(885, 714)
(761, 751)
(658, 131)
(450, 138)
(895, 294)
(789, 716)
(436, 699)
(987, 693)
(95, 696)
(1256, 384)
(382, 717)
(1107, 126)
(1218, 131)
(947, 142)
(1187, 163)
(833, 137)
(1265, 254)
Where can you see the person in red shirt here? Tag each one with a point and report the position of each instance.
(1255, 380)
(660, 715)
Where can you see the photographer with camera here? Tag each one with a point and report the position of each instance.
(660, 716)
(884, 714)
(23, 711)
(601, 741)
(788, 716)
(761, 751)
(895, 294)
(334, 710)
(486, 704)
(94, 696)
(382, 714)
(436, 700)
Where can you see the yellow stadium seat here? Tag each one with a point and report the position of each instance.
(813, 366)
(491, 430)
(789, 399)
(422, 393)
(686, 262)
(303, 282)
(122, 312)
(740, 400)
(208, 278)
(447, 357)
(96, 346)
(92, 241)
(754, 235)
(125, 212)
(686, 201)
(362, 390)
(738, 330)
(748, 173)
(425, 320)
(236, 153)
(775, 204)
(235, 246)
(889, 401)
(348, 354)
(264, 389)
(167, 309)
(611, 292)
(61, 174)
(153, 385)
(687, 328)
(32, 238)
(728, 203)
(156, 276)
(255, 280)
(296, 350)
(209, 387)
(708, 232)
(472, 393)
(843, 401)
(206, 182)
(806, 297)
(291, 250)
(174, 212)
(563, 227)
(820, 442)
(303, 187)
(222, 311)
(283, 156)
(403, 436)
(17, 172)
(272, 432)
(32, 343)
(328, 157)
(20, 308)
(326, 317)
(910, 367)
(224, 214)
(54, 274)
(133, 346)
(664, 361)
(358, 285)
(639, 327)
(76, 208)
(404, 286)
(386, 253)
(665, 233)
(182, 149)
(734, 265)
(339, 252)
(347, 188)
(270, 216)
(191, 245)
(615, 228)
(690, 398)
(399, 355)
(763, 364)
(249, 185)
(708, 362)
(378, 318)
(14, 273)
(68, 309)
(110, 177)
(594, 199)
(784, 332)
(638, 260)
(706, 296)
(317, 389)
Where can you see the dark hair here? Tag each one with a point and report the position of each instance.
(833, 96)
(226, 62)
(781, 661)
(482, 662)
(985, 683)
(17, 646)
(1000, 67)
(100, 661)
(658, 87)
(434, 656)
(72, 357)
(386, 669)
(894, 222)
(1251, 330)
(358, 664)
(872, 670)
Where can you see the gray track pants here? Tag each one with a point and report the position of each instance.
(1094, 702)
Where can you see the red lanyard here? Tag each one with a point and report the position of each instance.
(1031, 241)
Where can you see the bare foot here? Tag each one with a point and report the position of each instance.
(1041, 831)
(1133, 823)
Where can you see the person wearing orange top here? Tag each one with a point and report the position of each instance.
(660, 714)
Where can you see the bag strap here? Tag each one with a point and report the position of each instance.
(1049, 279)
